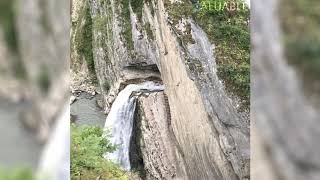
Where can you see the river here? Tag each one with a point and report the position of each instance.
(19, 147)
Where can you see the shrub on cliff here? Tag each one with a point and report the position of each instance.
(229, 30)
(88, 144)
(226, 23)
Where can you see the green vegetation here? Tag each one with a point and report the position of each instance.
(178, 11)
(300, 23)
(102, 26)
(88, 144)
(149, 32)
(228, 30)
(99, 23)
(83, 38)
(124, 18)
(16, 174)
(230, 33)
(194, 65)
(137, 6)
(123, 8)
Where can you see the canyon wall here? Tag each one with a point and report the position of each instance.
(204, 136)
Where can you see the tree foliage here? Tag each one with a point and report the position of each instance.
(88, 145)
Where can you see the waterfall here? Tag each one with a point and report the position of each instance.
(55, 159)
(120, 120)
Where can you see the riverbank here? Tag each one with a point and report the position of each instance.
(85, 109)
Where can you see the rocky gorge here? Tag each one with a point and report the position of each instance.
(195, 127)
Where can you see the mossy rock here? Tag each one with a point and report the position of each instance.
(83, 37)
(230, 33)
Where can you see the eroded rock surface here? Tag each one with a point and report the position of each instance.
(154, 144)
(211, 136)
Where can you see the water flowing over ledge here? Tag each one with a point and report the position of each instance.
(55, 158)
(120, 120)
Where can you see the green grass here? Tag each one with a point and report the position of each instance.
(88, 144)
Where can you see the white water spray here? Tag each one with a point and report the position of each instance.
(120, 121)
(55, 159)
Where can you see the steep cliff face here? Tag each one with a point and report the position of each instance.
(278, 132)
(208, 138)
(154, 146)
